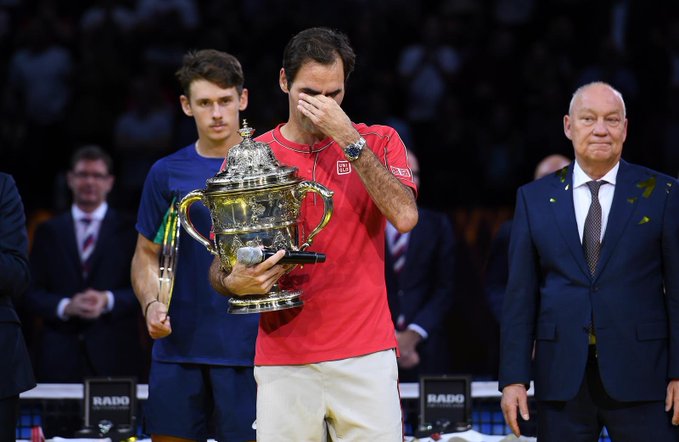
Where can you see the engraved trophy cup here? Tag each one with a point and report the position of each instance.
(255, 202)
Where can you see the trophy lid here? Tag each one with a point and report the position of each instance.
(251, 165)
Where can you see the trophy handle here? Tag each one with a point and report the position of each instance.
(310, 186)
(184, 205)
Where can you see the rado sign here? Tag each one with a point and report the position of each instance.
(110, 402)
(446, 400)
(109, 408)
(445, 403)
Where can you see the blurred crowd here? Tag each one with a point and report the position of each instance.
(477, 88)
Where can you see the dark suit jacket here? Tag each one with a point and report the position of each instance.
(111, 343)
(16, 374)
(633, 297)
(423, 290)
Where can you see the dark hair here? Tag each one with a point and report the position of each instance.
(211, 65)
(92, 153)
(322, 45)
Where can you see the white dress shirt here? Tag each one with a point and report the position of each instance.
(81, 229)
(80, 233)
(582, 196)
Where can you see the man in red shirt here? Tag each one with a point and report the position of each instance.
(328, 368)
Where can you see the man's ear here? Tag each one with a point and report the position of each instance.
(186, 105)
(567, 126)
(243, 100)
(283, 81)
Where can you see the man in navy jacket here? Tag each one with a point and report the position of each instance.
(604, 332)
(419, 272)
(81, 287)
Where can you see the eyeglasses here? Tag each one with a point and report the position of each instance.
(85, 175)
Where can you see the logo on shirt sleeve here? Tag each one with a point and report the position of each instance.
(343, 167)
(397, 171)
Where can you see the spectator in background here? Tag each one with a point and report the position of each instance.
(104, 13)
(183, 13)
(142, 134)
(419, 271)
(16, 374)
(37, 97)
(426, 69)
(514, 14)
(166, 28)
(201, 378)
(105, 51)
(496, 272)
(40, 71)
(81, 290)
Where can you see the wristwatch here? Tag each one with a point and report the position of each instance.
(353, 150)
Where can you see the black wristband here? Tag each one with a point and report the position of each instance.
(146, 309)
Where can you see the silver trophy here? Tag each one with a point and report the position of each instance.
(255, 203)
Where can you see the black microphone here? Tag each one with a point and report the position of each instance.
(254, 255)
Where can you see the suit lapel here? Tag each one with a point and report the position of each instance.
(561, 201)
(626, 193)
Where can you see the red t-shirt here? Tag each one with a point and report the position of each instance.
(345, 311)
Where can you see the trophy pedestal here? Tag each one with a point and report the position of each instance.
(270, 302)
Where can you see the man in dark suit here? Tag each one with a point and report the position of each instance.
(16, 374)
(81, 290)
(496, 271)
(419, 268)
(593, 290)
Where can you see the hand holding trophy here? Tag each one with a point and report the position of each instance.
(255, 203)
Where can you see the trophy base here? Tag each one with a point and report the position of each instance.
(270, 302)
